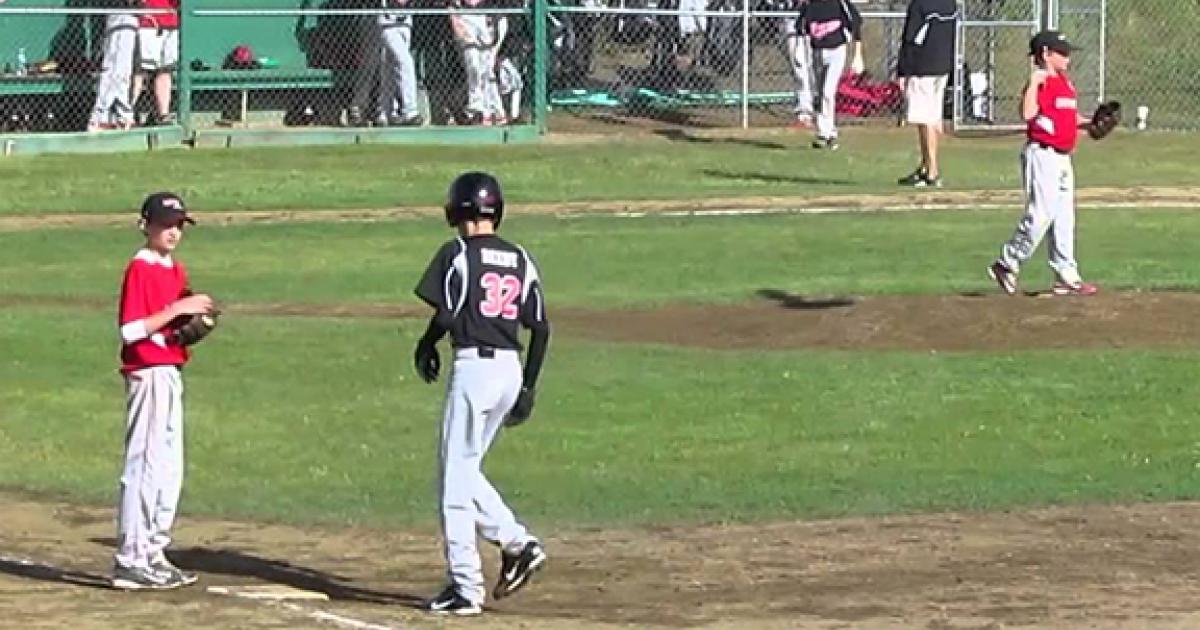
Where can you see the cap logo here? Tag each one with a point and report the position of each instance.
(171, 202)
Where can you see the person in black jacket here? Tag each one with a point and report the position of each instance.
(829, 25)
(926, 60)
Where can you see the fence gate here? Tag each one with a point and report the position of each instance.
(992, 61)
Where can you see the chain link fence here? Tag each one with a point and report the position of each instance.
(275, 64)
(706, 64)
(75, 65)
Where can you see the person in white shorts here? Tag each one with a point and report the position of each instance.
(158, 56)
(926, 60)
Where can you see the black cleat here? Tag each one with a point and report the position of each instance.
(517, 569)
(1003, 277)
(915, 178)
(449, 602)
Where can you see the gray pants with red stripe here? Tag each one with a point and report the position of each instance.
(153, 475)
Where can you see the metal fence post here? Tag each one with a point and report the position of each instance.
(184, 82)
(540, 66)
(745, 64)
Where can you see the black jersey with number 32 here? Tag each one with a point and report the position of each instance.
(484, 289)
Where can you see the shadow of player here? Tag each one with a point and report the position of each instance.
(211, 561)
(37, 571)
(773, 178)
(801, 303)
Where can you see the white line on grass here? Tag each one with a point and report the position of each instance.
(941, 207)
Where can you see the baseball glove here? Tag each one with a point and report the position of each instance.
(196, 328)
(1106, 118)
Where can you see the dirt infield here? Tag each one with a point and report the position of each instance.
(779, 320)
(1081, 567)
(959, 323)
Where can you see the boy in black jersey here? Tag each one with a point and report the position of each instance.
(483, 289)
(828, 25)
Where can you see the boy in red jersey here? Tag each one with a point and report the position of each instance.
(1052, 117)
(155, 301)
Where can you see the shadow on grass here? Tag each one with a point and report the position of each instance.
(46, 573)
(775, 179)
(802, 303)
(679, 135)
(233, 562)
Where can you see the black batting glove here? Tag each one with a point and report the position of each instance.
(428, 362)
(521, 409)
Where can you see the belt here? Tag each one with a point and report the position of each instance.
(1046, 146)
(479, 352)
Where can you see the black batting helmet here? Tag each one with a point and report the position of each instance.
(474, 195)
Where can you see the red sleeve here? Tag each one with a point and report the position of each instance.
(133, 294)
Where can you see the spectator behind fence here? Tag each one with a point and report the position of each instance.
(158, 55)
(926, 59)
(798, 52)
(479, 37)
(692, 28)
(370, 93)
(829, 25)
(399, 70)
(113, 108)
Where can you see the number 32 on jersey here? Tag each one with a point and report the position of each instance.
(500, 293)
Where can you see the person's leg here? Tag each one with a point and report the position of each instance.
(162, 94)
(1040, 173)
(1061, 252)
(461, 458)
(148, 407)
(169, 480)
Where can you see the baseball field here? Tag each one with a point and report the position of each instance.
(782, 393)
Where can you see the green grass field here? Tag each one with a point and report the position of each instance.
(629, 168)
(323, 420)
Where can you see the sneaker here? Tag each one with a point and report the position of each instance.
(516, 569)
(354, 117)
(915, 178)
(1083, 288)
(162, 565)
(801, 123)
(929, 182)
(412, 121)
(1003, 277)
(449, 602)
(825, 143)
(141, 579)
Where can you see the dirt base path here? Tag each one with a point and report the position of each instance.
(1100, 197)
(779, 320)
(1064, 568)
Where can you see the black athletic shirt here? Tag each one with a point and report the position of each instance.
(484, 289)
(826, 22)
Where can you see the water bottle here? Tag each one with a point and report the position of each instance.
(22, 62)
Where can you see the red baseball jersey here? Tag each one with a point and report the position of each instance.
(1057, 121)
(160, 20)
(152, 282)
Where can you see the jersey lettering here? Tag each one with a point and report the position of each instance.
(500, 295)
(497, 258)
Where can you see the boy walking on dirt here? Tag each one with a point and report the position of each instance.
(483, 290)
(1052, 117)
(154, 301)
